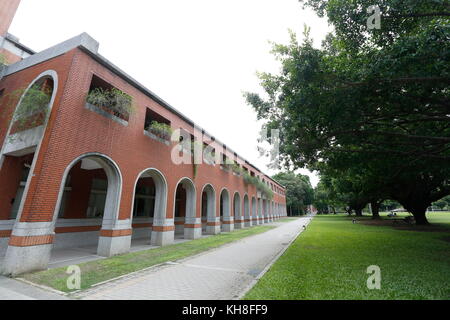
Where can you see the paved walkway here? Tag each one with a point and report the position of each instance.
(220, 274)
(11, 289)
(73, 256)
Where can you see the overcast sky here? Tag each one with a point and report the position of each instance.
(198, 55)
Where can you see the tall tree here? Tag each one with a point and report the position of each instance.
(374, 99)
(299, 192)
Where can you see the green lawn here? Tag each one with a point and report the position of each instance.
(105, 269)
(287, 219)
(329, 261)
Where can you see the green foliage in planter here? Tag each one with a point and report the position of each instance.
(113, 100)
(210, 156)
(260, 186)
(249, 179)
(228, 164)
(196, 145)
(32, 109)
(265, 189)
(3, 60)
(236, 169)
(162, 130)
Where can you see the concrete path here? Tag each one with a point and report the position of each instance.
(220, 274)
(11, 289)
(73, 256)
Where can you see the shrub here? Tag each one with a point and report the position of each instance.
(260, 186)
(3, 60)
(32, 109)
(112, 100)
(162, 130)
(236, 169)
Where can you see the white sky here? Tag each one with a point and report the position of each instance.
(198, 55)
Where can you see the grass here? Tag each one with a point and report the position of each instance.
(329, 261)
(105, 269)
(288, 219)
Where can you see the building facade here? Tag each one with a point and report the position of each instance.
(76, 173)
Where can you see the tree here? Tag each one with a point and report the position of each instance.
(389, 205)
(376, 100)
(299, 192)
(322, 199)
(443, 203)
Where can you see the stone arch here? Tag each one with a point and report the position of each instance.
(247, 216)
(149, 203)
(208, 209)
(254, 212)
(186, 221)
(19, 150)
(261, 211)
(237, 211)
(225, 214)
(109, 216)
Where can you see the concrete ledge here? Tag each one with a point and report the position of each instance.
(155, 137)
(227, 227)
(101, 112)
(19, 260)
(23, 142)
(112, 246)
(83, 40)
(162, 238)
(212, 230)
(192, 233)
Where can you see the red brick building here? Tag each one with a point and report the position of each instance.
(76, 173)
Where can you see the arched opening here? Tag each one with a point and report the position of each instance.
(204, 211)
(209, 223)
(237, 211)
(264, 210)
(225, 217)
(270, 211)
(186, 224)
(87, 203)
(247, 217)
(254, 212)
(150, 197)
(260, 211)
(17, 153)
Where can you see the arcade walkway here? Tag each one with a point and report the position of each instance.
(223, 273)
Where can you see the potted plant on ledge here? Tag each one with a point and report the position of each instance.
(112, 101)
(161, 130)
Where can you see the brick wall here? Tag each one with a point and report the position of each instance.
(8, 9)
(74, 130)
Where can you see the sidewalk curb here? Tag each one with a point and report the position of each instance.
(270, 264)
(61, 293)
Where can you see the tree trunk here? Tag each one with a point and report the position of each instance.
(419, 214)
(375, 210)
(358, 212)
